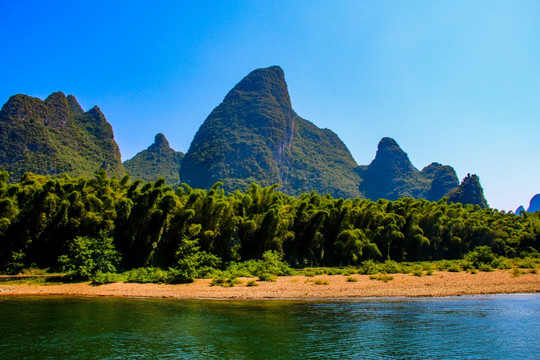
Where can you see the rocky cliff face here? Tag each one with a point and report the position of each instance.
(55, 136)
(254, 135)
(158, 160)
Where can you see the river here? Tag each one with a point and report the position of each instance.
(464, 327)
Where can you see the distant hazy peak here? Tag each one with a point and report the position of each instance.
(534, 204)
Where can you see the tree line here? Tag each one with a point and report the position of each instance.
(150, 224)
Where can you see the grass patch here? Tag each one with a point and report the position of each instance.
(230, 282)
(252, 283)
(321, 282)
(352, 279)
(267, 277)
(381, 277)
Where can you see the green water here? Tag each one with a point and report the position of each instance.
(481, 327)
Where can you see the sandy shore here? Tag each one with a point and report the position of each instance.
(301, 287)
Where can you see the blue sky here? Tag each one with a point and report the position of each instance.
(457, 82)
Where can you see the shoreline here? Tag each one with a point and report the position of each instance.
(321, 287)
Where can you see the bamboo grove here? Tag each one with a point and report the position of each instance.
(150, 222)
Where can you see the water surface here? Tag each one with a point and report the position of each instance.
(472, 327)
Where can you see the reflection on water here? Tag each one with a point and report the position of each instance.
(496, 326)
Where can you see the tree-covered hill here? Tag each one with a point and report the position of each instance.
(254, 135)
(55, 136)
(469, 192)
(391, 175)
(158, 161)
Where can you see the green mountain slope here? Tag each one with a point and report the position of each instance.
(443, 179)
(469, 192)
(254, 135)
(391, 174)
(159, 160)
(55, 136)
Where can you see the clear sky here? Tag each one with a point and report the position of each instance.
(457, 82)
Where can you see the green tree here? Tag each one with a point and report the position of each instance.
(90, 256)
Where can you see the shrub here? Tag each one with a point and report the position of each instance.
(181, 276)
(88, 256)
(100, 278)
(252, 283)
(527, 263)
(382, 277)
(147, 275)
(270, 264)
(352, 279)
(368, 267)
(321, 282)
(502, 263)
(390, 267)
(418, 272)
(267, 277)
(230, 282)
(16, 263)
(481, 255)
(485, 267)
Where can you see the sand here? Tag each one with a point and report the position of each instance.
(302, 287)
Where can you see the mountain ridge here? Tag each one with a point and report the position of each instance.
(55, 136)
(253, 136)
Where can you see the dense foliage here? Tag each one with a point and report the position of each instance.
(55, 136)
(44, 219)
(159, 160)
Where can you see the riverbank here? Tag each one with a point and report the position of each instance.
(303, 287)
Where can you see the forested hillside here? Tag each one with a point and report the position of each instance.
(151, 224)
(159, 160)
(254, 135)
(55, 136)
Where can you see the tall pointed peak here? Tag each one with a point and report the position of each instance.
(469, 192)
(74, 106)
(160, 141)
(56, 96)
(391, 155)
(387, 143)
(534, 204)
(264, 82)
(57, 99)
(97, 113)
